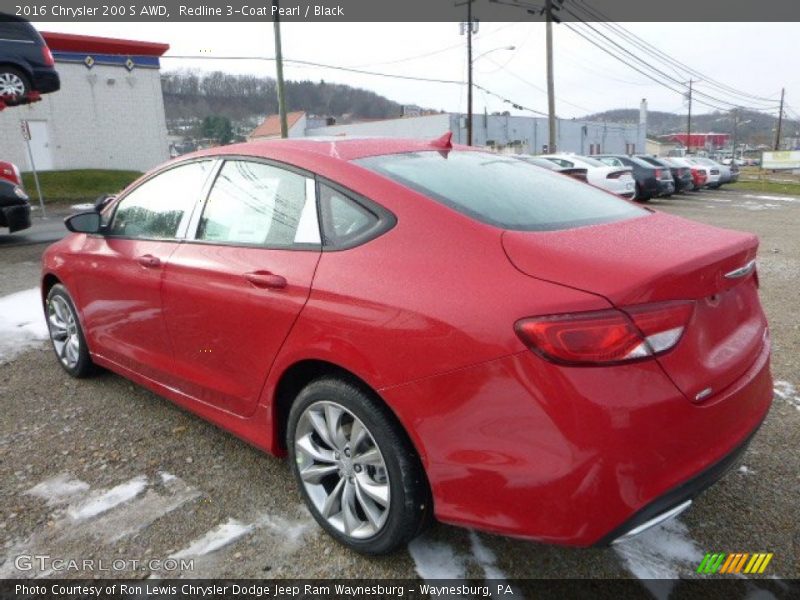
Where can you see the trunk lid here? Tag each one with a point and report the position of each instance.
(657, 258)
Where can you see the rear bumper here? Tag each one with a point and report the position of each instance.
(678, 498)
(16, 218)
(46, 81)
(665, 187)
(569, 455)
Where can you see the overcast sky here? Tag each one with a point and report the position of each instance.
(756, 58)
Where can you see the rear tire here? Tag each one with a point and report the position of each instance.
(66, 334)
(358, 473)
(640, 197)
(14, 85)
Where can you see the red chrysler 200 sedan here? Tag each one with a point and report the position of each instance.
(427, 331)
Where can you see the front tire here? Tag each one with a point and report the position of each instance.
(359, 475)
(66, 334)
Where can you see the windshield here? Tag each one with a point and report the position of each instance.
(502, 191)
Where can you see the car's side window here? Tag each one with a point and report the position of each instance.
(156, 208)
(15, 32)
(344, 219)
(613, 162)
(260, 204)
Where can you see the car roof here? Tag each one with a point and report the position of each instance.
(342, 148)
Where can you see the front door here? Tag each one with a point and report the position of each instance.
(232, 294)
(120, 274)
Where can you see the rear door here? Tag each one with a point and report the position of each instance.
(120, 273)
(232, 293)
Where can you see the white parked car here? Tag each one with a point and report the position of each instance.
(617, 180)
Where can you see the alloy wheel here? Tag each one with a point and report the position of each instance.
(11, 85)
(63, 326)
(342, 469)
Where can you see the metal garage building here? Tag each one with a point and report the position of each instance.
(506, 133)
(109, 113)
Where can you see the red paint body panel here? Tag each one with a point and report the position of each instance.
(425, 314)
(522, 447)
(225, 332)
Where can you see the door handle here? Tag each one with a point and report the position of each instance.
(265, 279)
(148, 260)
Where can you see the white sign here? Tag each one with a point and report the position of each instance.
(786, 159)
(26, 131)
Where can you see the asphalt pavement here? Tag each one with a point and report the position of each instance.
(103, 469)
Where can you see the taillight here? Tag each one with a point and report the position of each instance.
(48, 56)
(658, 173)
(606, 336)
(17, 174)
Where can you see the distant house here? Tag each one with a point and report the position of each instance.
(700, 141)
(270, 128)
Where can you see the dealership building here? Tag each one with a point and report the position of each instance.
(109, 113)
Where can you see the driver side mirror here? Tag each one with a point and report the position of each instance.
(85, 222)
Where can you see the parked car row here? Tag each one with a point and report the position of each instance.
(643, 177)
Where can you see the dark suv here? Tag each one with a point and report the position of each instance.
(26, 63)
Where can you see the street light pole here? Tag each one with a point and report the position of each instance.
(689, 122)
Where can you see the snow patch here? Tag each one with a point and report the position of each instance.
(774, 198)
(108, 499)
(166, 477)
(745, 470)
(436, 560)
(663, 552)
(58, 489)
(484, 556)
(786, 391)
(219, 537)
(82, 207)
(22, 322)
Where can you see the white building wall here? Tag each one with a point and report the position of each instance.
(298, 130)
(501, 130)
(102, 118)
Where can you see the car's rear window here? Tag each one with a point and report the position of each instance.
(502, 191)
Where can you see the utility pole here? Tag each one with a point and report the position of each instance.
(780, 122)
(735, 132)
(551, 94)
(279, 69)
(689, 121)
(469, 73)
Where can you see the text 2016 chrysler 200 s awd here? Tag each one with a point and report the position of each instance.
(427, 331)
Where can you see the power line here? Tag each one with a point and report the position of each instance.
(537, 88)
(710, 101)
(516, 105)
(655, 69)
(655, 52)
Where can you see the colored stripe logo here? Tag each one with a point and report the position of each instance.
(737, 562)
